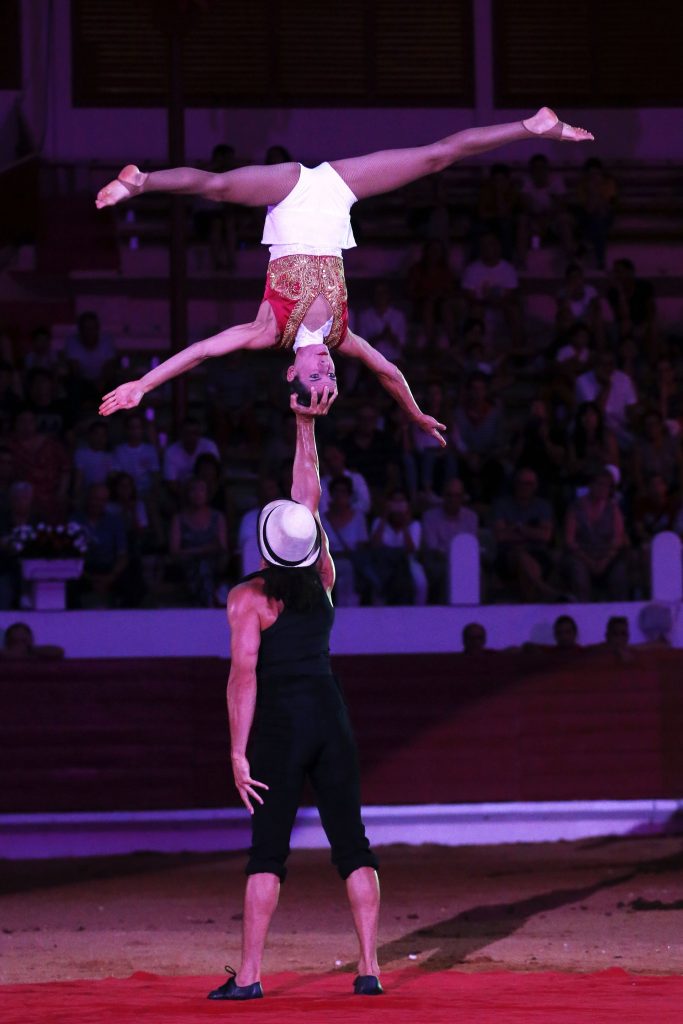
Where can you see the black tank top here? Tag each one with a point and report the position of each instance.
(298, 643)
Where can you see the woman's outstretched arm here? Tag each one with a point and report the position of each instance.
(261, 333)
(391, 378)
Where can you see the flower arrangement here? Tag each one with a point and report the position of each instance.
(65, 540)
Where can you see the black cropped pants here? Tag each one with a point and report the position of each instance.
(302, 730)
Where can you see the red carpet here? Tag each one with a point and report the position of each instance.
(411, 996)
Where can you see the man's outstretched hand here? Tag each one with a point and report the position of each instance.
(432, 427)
(320, 404)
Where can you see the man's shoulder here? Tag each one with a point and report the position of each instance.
(246, 596)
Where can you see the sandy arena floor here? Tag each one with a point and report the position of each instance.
(580, 906)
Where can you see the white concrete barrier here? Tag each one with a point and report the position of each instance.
(464, 569)
(666, 567)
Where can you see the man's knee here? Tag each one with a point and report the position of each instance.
(265, 866)
(346, 864)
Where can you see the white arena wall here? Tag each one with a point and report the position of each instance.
(192, 632)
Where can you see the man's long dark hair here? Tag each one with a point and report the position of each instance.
(299, 590)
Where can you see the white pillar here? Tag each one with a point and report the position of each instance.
(464, 570)
(665, 567)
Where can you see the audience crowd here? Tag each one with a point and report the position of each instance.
(564, 437)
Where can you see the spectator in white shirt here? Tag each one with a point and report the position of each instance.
(137, 457)
(92, 462)
(491, 284)
(180, 457)
(578, 302)
(383, 324)
(577, 352)
(346, 530)
(395, 540)
(545, 214)
(613, 391)
(334, 463)
(439, 526)
(91, 353)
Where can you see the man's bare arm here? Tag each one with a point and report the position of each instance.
(306, 475)
(391, 378)
(245, 640)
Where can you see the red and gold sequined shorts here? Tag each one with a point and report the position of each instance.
(293, 282)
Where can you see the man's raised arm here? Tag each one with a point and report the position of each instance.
(306, 472)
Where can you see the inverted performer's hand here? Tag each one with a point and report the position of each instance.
(432, 427)
(125, 396)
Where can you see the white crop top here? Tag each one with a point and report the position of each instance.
(313, 218)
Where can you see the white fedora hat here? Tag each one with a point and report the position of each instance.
(288, 534)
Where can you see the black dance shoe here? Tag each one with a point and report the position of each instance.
(367, 985)
(231, 990)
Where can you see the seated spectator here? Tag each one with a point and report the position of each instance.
(18, 645)
(371, 453)
(268, 490)
(383, 324)
(439, 526)
(578, 302)
(655, 451)
(523, 529)
(137, 457)
(613, 391)
(198, 543)
(541, 446)
(592, 446)
(126, 504)
(478, 436)
(566, 633)
(618, 636)
(499, 206)
(655, 509)
(92, 462)
(42, 460)
(10, 396)
(52, 413)
(475, 355)
(545, 213)
(209, 469)
(346, 531)
(595, 540)
(633, 302)
(432, 464)
(398, 578)
(91, 356)
(334, 464)
(596, 199)
(277, 154)
(7, 478)
(474, 639)
(180, 457)
(491, 284)
(104, 583)
(432, 290)
(576, 354)
(19, 512)
(655, 622)
(40, 354)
